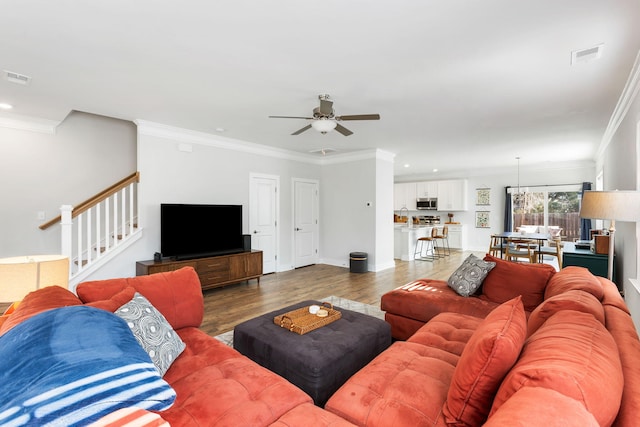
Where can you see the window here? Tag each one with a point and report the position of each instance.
(548, 207)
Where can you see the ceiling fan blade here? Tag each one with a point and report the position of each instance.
(343, 130)
(290, 117)
(326, 107)
(359, 117)
(298, 132)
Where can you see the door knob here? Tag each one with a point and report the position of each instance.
(255, 231)
(298, 229)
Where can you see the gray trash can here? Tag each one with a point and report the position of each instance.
(358, 262)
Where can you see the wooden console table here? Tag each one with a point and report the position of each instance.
(213, 271)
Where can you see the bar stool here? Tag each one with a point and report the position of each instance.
(424, 246)
(444, 238)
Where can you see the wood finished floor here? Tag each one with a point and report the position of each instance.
(226, 307)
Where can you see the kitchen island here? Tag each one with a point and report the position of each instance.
(405, 238)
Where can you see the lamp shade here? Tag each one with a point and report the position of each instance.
(611, 205)
(21, 275)
(324, 125)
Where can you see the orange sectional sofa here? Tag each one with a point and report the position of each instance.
(213, 383)
(531, 347)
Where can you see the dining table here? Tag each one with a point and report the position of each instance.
(505, 236)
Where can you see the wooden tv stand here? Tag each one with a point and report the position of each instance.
(215, 271)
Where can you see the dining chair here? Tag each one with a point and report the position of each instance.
(516, 249)
(496, 246)
(553, 248)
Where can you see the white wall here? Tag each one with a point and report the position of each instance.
(348, 223)
(619, 163)
(40, 172)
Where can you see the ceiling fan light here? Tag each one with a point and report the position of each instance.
(324, 125)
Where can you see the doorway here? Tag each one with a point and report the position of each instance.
(263, 218)
(305, 222)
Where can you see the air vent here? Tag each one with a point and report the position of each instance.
(17, 78)
(586, 55)
(323, 151)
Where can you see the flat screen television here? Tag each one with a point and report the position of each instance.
(194, 231)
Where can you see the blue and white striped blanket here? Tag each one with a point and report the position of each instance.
(72, 365)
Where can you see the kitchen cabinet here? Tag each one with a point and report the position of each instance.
(427, 189)
(452, 195)
(405, 239)
(457, 237)
(404, 196)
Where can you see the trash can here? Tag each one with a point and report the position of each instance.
(358, 262)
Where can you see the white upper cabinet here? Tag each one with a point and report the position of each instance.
(427, 189)
(404, 196)
(452, 195)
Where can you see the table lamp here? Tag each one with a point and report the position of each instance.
(24, 274)
(611, 205)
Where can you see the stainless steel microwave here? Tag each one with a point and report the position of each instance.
(427, 204)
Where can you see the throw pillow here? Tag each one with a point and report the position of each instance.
(116, 301)
(489, 354)
(70, 366)
(509, 279)
(176, 294)
(469, 276)
(152, 331)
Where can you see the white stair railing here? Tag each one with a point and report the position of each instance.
(99, 228)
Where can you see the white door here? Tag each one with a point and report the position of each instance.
(263, 218)
(305, 222)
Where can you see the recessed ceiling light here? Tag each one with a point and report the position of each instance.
(435, 170)
(406, 165)
(5, 106)
(220, 129)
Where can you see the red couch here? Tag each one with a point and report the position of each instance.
(534, 348)
(214, 384)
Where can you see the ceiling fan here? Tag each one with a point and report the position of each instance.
(324, 119)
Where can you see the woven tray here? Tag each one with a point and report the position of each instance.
(301, 321)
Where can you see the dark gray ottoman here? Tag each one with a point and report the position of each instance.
(320, 361)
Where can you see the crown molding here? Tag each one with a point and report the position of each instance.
(33, 124)
(627, 97)
(182, 135)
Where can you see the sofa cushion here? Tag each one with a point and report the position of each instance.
(509, 279)
(116, 301)
(487, 357)
(152, 331)
(84, 363)
(570, 300)
(573, 277)
(410, 306)
(38, 301)
(541, 407)
(406, 385)
(573, 354)
(468, 278)
(217, 386)
(176, 294)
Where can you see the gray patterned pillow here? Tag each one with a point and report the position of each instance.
(469, 276)
(152, 331)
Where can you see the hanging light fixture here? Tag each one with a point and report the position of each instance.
(519, 197)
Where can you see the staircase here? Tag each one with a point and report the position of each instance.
(98, 229)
